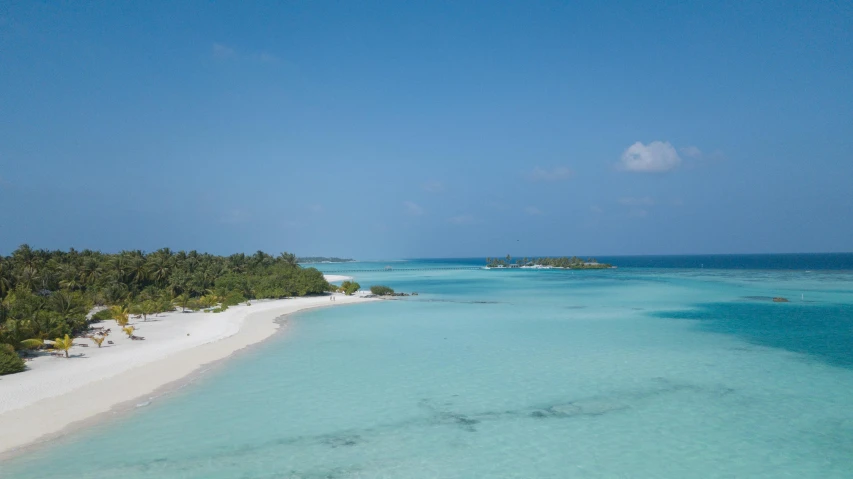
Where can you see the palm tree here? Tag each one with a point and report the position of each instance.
(63, 344)
(237, 263)
(98, 339)
(288, 258)
(70, 279)
(5, 277)
(159, 267)
(182, 300)
(128, 330)
(120, 314)
(28, 278)
(24, 256)
(148, 307)
(138, 268)
(90, 271)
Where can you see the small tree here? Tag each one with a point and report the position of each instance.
(128, 330)
(121, 315)
(10, 362)
(350, 287)
(381, 290)
(148, 307)
(98, 339)
(182, 301)
(63, 344)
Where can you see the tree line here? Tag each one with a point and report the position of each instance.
(48, 294)
(563, 262)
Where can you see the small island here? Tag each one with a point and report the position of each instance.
(546, 263)
(323, 259)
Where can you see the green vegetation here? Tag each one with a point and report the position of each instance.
(47, 294)
(10, 362)
(381, 290)
(323, 259)
(349, 287)
(102, 315)
(63, 344)
(564, 262)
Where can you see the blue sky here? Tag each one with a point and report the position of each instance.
(427, 129)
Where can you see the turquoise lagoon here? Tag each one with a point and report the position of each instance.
(637, 372)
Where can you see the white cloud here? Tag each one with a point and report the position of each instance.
(644, 201)
(462, 219)
(413, 209)
(558, 173)
(533, 211)
(657, 156)
(433, 186)
(223, 51)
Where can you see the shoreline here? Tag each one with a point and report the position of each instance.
(31, 417)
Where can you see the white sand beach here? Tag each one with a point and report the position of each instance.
(55, 392)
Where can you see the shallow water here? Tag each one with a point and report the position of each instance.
(628, 373)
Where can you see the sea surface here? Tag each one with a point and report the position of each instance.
(667, 367)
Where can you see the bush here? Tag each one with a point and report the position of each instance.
(10, 362)
(102, 315)
(380, 290)
(233, 298)
(350, 287)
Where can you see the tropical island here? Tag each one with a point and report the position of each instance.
(49, 297)
(83, 331)
(563, 262)
(323, 259)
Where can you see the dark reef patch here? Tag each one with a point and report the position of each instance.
(823, 331)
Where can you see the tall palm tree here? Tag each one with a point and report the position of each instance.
(119, 267)
(288, 258)
(5, 277)
(24, 256)
(28, 278)
(90, 271)
(159, 267)
(138, 268)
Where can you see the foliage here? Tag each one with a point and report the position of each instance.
(381, 290)
(25, 315)
(233, 299)
(349, 287)
(98, 339)
(128, 330)
(102, 315)
(63, 344)
(564, 262)
(121, 314)
(10, 362)
(323, 259)
(47, 294)
(31, 343)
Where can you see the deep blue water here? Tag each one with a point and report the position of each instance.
(792, 261)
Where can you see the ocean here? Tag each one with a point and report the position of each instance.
(667, 367)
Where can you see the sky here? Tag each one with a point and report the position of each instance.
(380, 130)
